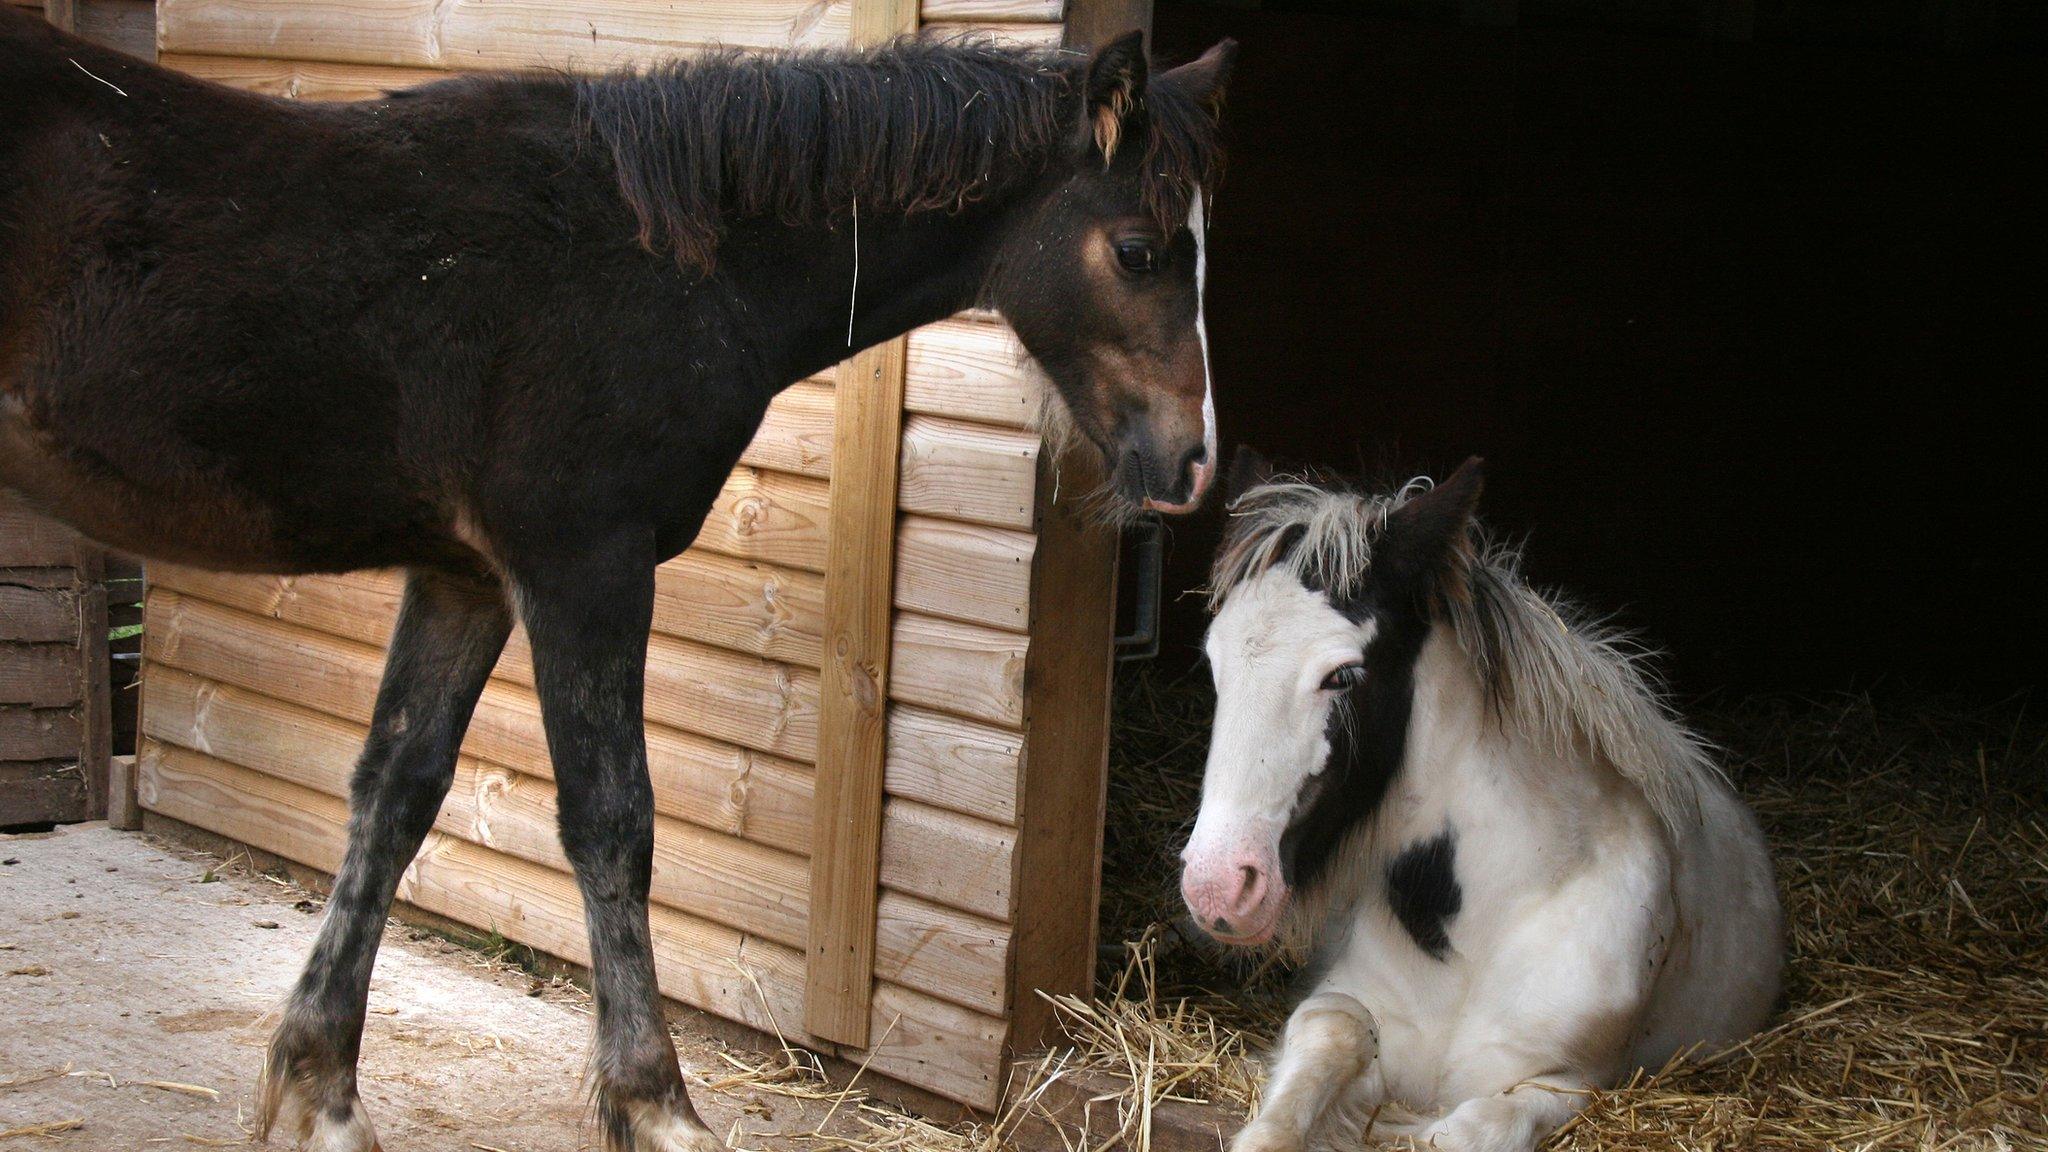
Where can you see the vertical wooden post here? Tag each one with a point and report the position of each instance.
(1067, 678)
(860, 577)
(95, 710)
(1092, 22)
(62, 13)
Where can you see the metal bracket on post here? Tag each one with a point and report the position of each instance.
(1147, 537)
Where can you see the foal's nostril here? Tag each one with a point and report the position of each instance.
(1251, 890)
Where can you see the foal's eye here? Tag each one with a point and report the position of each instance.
(1137, 256)
(1346, 677)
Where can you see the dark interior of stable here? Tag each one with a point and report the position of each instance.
(1741, 303)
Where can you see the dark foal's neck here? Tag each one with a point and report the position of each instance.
(820, 296)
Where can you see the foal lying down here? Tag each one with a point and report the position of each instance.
(1518, 874)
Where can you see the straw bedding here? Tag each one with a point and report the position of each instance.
(1911, 842)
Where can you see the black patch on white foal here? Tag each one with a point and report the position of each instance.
(1422, 888)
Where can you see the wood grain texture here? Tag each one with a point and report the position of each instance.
(1066, 768)
(994, 11)
(39, 733)
(301, 79)
(95, 713)
(952, 859)
(123, 25)
(1093, 22)
(973, 368)
(944, 1047)
(855, 679)
(942, 760)
(752, 887)
(41, 791)
(38, 615)
(1002, 32)
(960, 471)
(948, 468)
(40, 675)
(574, 35)
(966, 572)
(846, 835)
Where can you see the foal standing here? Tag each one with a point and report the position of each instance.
(1519, 875)
(511, 334)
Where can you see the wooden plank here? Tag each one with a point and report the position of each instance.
(949, 468)
(124, 810)
(95, 714)
(994, 11)
(846, 838)
(41, 792)
(961, 471)
(690, 688)
(796, 434)
(38, 615)
(953, 763)
(123, 25)
(1092, 22)
(301, 79)
(62, 14)
(965, 669)
(759, 609)
(576, 35)
(1031, 35)
(943, 1047)
(973, 368)
(970, 670)
(769, 516)
(39, 733)
(1066, 768)
(941, 760)
(28, 540)
(944, 950)
(966, 572)
(40, 675)
(948, 858)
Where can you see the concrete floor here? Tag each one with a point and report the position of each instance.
(125, 959)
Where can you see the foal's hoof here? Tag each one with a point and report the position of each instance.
(315, 1115)
(316, 1129)
(657, 1128)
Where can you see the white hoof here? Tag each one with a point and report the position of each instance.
(289, 1113)
(656, 1129)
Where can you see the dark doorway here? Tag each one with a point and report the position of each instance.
(1747, 329)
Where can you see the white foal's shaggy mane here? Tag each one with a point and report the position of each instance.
(1559, 677)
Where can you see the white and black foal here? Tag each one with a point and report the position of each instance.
(1518, 874)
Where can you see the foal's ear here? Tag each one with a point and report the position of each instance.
(1116, 82)
(1429, 538)
(1206, 77)
(1248, 470)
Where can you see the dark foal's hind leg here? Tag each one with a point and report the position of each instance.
(587, 618)
(449, 634)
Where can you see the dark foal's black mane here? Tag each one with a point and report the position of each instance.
(914, 126)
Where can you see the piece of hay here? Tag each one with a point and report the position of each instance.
(49, 1128)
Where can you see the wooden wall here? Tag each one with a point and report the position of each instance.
(128, 25)
(258, 690)
(53, 672)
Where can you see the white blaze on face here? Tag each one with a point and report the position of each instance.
(1271, 647)
(1198, 223)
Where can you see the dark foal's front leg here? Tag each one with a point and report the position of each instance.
(587, 619)
(450, 631)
